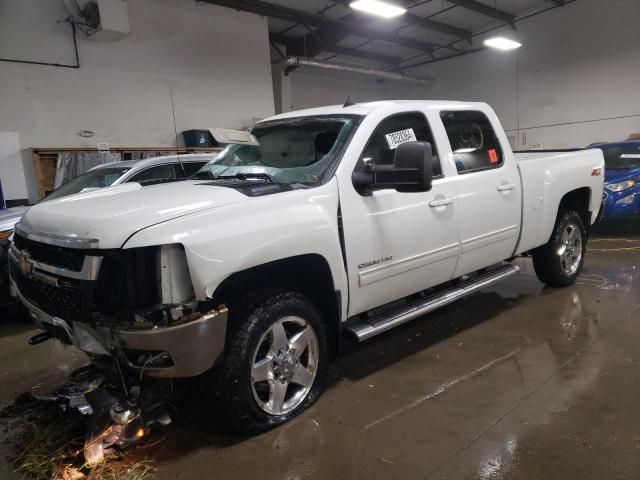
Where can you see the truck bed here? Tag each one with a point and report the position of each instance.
(543, 188)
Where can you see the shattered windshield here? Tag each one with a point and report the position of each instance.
(296, 150)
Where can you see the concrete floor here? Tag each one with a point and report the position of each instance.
(518, 382)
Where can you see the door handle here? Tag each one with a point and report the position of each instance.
(440, 202)
(505, 187)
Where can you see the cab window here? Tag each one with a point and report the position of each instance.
(192, 167)
(398, 129)
(474, 143)
(155, 174)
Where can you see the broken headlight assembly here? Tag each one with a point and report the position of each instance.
(150, 284)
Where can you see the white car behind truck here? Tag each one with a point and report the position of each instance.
(325, 222)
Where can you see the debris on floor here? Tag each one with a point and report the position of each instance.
(44, 442)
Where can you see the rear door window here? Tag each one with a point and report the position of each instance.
(473, 140)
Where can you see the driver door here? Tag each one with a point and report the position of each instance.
(398, 243)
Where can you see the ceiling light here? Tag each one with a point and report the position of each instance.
(378, 7)
(502, 43)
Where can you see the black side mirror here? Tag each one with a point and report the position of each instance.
(412, 171)
(413, 166)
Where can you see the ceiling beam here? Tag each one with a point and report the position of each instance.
(424, 22)
(314, 43)
(290, 43)
(315, 20)
(437, 26)
(486, 10)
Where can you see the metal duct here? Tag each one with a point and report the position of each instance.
(343, 67)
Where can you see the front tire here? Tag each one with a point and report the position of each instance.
(559, 262)
(275, 363)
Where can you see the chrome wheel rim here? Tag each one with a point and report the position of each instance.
(570, 251)
(284, 365)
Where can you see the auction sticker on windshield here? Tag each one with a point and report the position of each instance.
(398, 138)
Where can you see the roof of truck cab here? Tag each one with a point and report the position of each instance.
(368, 107)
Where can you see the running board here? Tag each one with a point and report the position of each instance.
(365, 329)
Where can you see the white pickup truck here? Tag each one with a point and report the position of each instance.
(343, 220)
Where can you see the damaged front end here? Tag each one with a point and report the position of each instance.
(132, 311)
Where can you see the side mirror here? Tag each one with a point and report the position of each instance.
(412, 171)
(413, 166)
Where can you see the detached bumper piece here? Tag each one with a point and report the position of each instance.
(117, 419)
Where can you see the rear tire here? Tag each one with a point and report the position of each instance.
(559, 262)
(275, 363)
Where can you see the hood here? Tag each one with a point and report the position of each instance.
(111, 215)
(10, 216)
(615, 176)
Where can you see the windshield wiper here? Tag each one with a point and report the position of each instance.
(203, 174)
(207, 174)
(155, 181)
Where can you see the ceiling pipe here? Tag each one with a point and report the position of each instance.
(343, 67)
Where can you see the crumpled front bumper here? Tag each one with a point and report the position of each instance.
(193, 344)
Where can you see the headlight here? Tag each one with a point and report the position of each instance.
(628, 200)
(618, 187)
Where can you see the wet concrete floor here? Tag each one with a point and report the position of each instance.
(517, 382)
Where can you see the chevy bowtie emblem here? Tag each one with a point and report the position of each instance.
(25, 266)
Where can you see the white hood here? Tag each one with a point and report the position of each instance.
(111, 215)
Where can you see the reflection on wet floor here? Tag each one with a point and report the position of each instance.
(520, 381)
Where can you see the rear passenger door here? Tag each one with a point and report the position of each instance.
(489, 190)
(398, 243)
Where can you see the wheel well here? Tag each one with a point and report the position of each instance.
(578, 200)
(306, 274)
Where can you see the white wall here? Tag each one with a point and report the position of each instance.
(215, 60)
(579, 67)
(313, 88)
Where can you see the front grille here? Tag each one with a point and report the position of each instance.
(67, 258)
(70, 301)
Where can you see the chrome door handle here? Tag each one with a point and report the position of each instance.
(440, 202)
(506, 187)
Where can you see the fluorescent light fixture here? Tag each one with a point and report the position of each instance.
(502, 43)
(378, 7)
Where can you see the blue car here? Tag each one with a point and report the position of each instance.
(621, 180)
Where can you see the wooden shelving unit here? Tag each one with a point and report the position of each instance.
(45, 160)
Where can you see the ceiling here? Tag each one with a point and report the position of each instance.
(430, 31)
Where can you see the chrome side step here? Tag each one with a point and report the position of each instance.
(365, 329)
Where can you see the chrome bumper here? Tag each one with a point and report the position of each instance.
(194, 345)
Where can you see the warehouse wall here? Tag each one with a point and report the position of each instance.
(214, 60)
(574, 82)
(311, 88)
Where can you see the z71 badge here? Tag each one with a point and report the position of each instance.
(375, 262)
